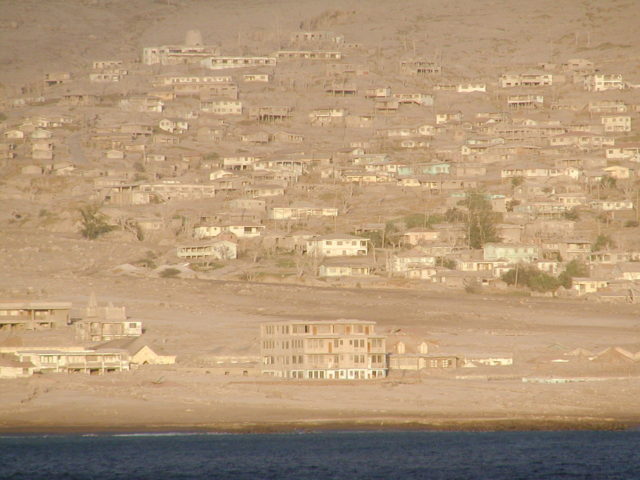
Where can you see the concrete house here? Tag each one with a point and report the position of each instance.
(379, 92)
(297, 211)
(336, 245)
(270, 113)
(208, 251)
(339, 349)
(471, 87)
(222, 63)
(56, 78)
(616, 123)
(308, 55)
(257, 191)
(417, 236)
(239, 163)
(494, 268)
(584, 286)
(105, 77)
(529, 79)
(410, 357)
(619, 172)
(341, 88)
(512, 253)
(34, 315)
(12, 367)
(240, 230)
(338, 267)
(401, 263)
(628, 151)
(607, 106)
(628, 271)
(178, 54)
(327, 116)
(222, 107)
(316, 36)
(287, 137)
(138, 352)
(611, 205)
(256, 77)
(422, 99)
(574, 249)
(75, 361)
(601, 82)
(141, 104)
(525, 101)
(419, 67)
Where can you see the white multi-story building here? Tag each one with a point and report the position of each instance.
(338, 349)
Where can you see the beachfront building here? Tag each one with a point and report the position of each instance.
(34, 315)
(74, 361)
(336, 349)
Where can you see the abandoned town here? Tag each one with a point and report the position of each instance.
(297, 214)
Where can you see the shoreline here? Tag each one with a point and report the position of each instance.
(388, 425)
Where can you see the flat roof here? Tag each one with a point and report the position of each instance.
(341, 321)
(35, 305)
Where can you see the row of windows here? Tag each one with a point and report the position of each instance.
(322, 359)
(340, 242)
(321, 374)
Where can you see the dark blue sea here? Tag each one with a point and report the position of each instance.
(325, 455)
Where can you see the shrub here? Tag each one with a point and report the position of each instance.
(572, 215)
(603, 241)
(93, 222)
(574, 268)
(169, 272)
(532, 278)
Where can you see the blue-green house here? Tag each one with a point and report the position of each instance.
(424, 169)
(433, 169)
(513, 253)
(406, 170)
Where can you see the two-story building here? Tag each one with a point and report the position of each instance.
(337, 244)
(34, 315)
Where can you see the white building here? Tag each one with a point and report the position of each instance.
(337, 245)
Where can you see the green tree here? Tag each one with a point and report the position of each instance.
(481, 219)
(575, 268)
(517, 181)
(609, 182)
(169, 272)
(420, 220)
(453, 215)
(93, 222)
(603, 241)
(532, 278)
(572, 214)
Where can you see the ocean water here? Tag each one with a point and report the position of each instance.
(324, 455)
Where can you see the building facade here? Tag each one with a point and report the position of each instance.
(338, 349)
(34, 315)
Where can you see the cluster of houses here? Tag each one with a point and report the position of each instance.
(107, 340)
(312, 150)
